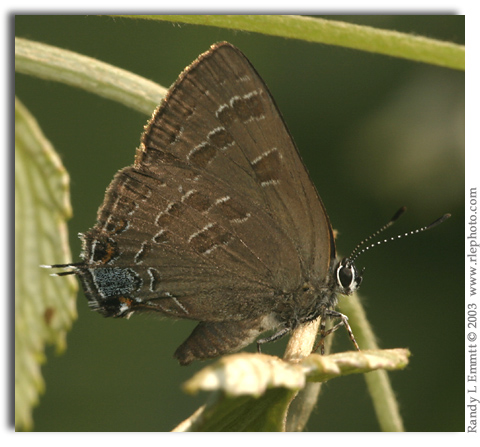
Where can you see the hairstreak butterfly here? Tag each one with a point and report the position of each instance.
(217, 220)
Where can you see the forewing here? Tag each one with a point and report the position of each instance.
(220, 119)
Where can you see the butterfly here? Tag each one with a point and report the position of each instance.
(217, 220)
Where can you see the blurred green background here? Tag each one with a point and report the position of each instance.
(375, 133)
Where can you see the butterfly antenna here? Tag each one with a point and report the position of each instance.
(395, 217)
(358, 250)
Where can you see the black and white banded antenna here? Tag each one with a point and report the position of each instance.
(358, 250)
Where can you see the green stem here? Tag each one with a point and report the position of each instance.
(56, 64)
(378, 383)
(332, 32)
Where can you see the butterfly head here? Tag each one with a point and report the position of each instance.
(347, 277)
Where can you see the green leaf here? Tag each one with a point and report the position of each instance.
(241, 413)
(253, 392)
(44, 309)
(320, 368)
(245, 373)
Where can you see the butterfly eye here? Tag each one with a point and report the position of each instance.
(347, 276)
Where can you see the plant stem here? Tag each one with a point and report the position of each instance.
(378, 383)
(56, 64)
(332, 32)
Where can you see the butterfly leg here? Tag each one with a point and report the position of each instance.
(324, 333)
(277, 336)
(343, 322)
(321, 343)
